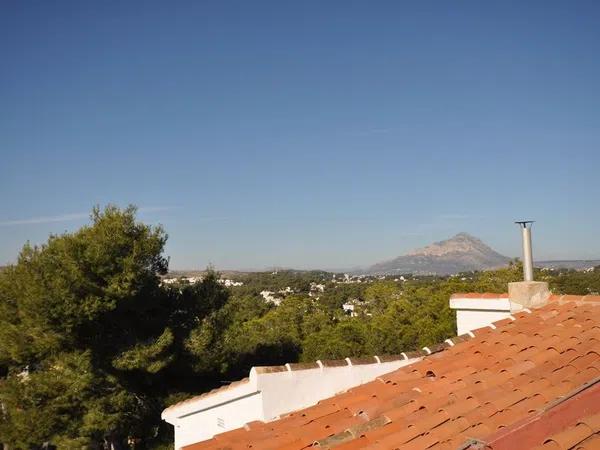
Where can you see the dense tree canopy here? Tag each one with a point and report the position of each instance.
(87, 334)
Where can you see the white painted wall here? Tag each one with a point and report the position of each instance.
(473, 313)
(204, 424)
(284, 392)
(468, 320)
(266, 396)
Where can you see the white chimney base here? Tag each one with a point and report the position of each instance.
(473, 313)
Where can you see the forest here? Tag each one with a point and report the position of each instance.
(93, 345)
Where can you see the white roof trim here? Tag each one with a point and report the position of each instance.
(481, 304)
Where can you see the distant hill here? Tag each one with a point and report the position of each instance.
(460, 253)
(576, 264)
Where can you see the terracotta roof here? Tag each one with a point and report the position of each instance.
(511, 375)
(575, 298)
(574, 421)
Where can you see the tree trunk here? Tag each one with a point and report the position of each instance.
(114, 442)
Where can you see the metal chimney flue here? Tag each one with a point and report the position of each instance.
(527, 250)
(527, 293)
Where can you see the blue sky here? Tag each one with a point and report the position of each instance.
(305, 134)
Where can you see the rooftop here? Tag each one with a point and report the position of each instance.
(273, 391)
(531, 378)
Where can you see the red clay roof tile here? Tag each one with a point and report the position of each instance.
(593, 422)
(572, 436)
(591, 443)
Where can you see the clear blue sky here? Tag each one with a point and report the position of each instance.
(305, 134)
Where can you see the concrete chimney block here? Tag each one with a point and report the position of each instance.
(529, 294)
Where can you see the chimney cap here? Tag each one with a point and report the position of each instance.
(524, 223)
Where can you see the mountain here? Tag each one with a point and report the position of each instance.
(460, 253)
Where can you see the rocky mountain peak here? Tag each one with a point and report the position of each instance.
(462, 252)
(461, 243)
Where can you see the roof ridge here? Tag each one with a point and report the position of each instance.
(349, 361)
(479, 295)
(294, 367)
(223, 388)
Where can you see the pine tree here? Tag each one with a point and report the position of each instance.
(83, 330)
